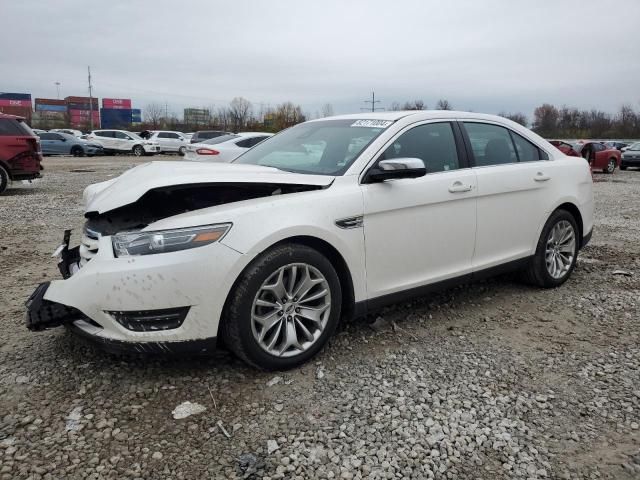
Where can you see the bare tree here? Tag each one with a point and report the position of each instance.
(239, 110)
(443, 104)
(415, 105)
(518, 117)
(327, 110)
(153, 114)
(286, 115)
(395, 106)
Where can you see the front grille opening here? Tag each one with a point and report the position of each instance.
(151, 320)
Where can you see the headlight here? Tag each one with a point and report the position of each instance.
(126, 244)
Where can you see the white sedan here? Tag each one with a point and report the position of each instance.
(328, 219)
(225, 148)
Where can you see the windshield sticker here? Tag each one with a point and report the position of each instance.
(372, 123)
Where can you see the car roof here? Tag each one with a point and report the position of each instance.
(418, 114)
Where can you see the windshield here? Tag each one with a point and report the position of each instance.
(223, 138)
(134, 135)
(327, 147)
(635, 146)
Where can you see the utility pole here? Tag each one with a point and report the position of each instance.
(90, 99)
(58, 89)
(373, 102)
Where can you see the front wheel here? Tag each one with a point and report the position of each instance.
(556, 252)
(283, 309)
(182, 151)
(77, 152)
(611, 166)
(138, 151)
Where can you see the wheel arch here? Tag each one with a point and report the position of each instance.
(326, 249)
(573, 209)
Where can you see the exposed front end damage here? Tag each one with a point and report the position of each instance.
(166, 302)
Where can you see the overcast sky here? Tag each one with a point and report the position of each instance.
(487, 55)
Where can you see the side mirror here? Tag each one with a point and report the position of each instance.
(396, 168)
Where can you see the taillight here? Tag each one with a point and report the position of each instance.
(207, 151)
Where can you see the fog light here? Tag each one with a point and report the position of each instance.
(151, 320)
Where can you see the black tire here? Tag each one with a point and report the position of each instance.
(4, 179)
(138, 150)
(236, 327)
(611, 166)
(182, 151)
(536, 273)
(77, 151)
(623, 167)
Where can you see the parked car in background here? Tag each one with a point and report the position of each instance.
(565, 147)
(330, 218)
(224, 148)
(173, 142)
(633, 146)
(206, 135)
(122, 141)
(69, 131)
(20, 154)
(58, 143)
(599, 156)
(616, 145)
(631, 156)
(37, 131)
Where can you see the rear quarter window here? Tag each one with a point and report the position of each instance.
(11, 128)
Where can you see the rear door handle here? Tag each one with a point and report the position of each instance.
(541, 177)
(458, 186)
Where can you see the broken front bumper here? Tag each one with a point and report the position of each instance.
(169, 302)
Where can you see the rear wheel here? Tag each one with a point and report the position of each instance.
(283, 309)
(556, 252)
(77, 151)
(138, 151)
(4, 179)
(611, 166)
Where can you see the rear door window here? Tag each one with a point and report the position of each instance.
(491, 144)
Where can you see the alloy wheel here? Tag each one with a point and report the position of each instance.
(561, 249)
(291, 310)
(611, 166)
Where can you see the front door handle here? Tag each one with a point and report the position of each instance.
(541, 177)
(458, 186)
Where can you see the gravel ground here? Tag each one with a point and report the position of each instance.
(491, 380)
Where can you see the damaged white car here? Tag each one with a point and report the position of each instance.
(330, 218)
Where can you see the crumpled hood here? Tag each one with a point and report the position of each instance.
(134, 183)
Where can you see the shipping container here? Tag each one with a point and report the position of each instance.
(49, 115)
(9, 102)
(15, 96)
(50, 101)
(86, 100)
(116, 103)
(82, 113)
(24, 112)
(50, 108)
(81, 106)
(115, 118)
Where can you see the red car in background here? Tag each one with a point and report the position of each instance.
(564, 147)
(599, 156)
(20, 152)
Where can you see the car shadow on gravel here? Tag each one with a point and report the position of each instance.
(16, 192)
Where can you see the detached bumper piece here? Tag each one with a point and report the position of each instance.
(151, 320)
(42, 314)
